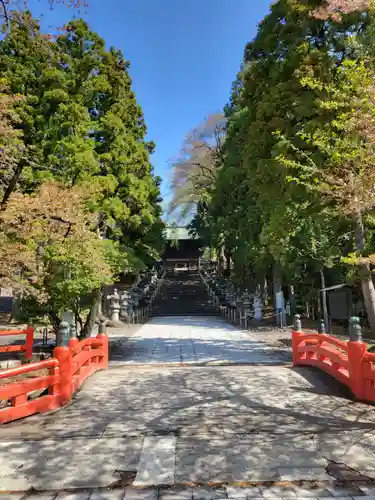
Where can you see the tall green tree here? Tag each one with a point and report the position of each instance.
(266, 214)
(81, 124)
(338, 159)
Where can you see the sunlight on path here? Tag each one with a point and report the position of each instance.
(195, 340)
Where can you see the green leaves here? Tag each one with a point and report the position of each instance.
(81, 126)
(298, 134)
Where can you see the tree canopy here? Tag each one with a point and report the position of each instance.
(72, 121)
(295, 186)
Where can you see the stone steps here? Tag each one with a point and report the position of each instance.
(183, 294)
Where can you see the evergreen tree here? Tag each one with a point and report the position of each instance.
(81, 125)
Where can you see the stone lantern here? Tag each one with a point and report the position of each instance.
(124, 304)
(246, 312)
(114, 306)
(258, 307)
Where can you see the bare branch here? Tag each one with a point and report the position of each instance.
(5, 12)
(194, 171)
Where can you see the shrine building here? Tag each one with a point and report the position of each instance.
(182, 250)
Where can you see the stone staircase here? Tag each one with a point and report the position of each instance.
(183, 294)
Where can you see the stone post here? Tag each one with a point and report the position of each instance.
(355, 331)
(322, 328)
(297, 337)
(102, 328)
(297, 326)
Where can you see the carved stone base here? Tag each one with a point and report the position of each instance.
(115, 324)
(100, 318)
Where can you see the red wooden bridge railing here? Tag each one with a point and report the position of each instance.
(349, 362)
(27, 347)
(66, 371)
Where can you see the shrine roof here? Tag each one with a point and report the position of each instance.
(178, 233)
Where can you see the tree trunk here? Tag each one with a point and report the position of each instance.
(93, 314)
(368, 291)
(276, 283)
(324, 300)
(264, 290)
(12, 183)
(55, 321)
(367, 284)
(220, 260)
(307, 309)
(228, 262)
(291, 300)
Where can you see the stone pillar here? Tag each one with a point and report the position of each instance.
(322, 328)
(297, 337)
(62, 337)
(102, 328)
(355, 330)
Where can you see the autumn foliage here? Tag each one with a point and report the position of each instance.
(334, 9)
(47, 236)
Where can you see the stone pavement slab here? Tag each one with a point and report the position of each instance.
(157, 463)
(243, 493)
(107, 495)
(69, 463)
(195, 340)
(280, 492)
(151, 494)
(176, 494)
(73, 496)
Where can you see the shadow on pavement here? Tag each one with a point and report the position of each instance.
(231, 424)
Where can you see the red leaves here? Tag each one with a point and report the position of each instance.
(335, 8)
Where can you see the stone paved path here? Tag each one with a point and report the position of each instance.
(195, 432)
(195, 340)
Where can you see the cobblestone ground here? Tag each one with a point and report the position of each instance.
(142, 430)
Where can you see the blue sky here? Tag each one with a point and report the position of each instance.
(184, 57)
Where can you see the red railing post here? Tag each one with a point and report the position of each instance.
(297, 336)
(73, 342)
(29, 342)
(356, 352)
(103, 337)
(64, 356)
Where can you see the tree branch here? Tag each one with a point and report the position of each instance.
(5, 13)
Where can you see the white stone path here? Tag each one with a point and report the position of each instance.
(179, 424)
(196, 340)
